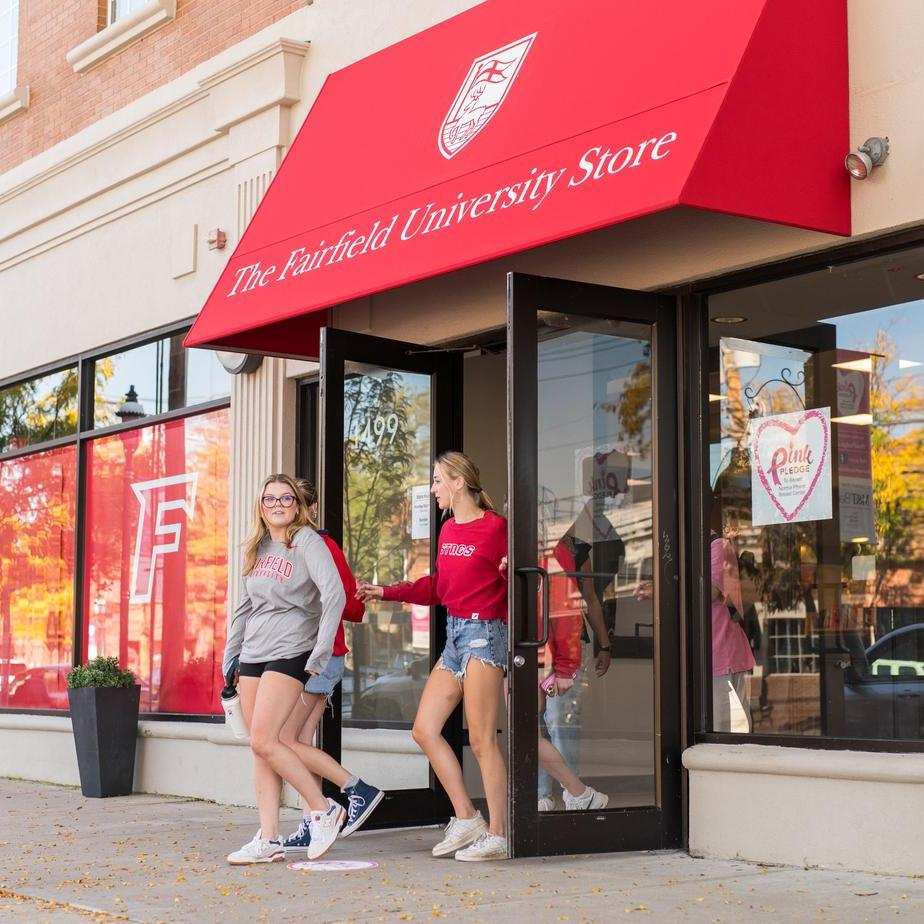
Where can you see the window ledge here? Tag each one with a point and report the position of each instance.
(772, 760)
(15, 101)
(122, 32)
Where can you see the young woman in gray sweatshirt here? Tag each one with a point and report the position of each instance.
(282, 632)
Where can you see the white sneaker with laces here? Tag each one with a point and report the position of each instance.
(546, 804)
(259, 850)
(459, 833)
(325, 826)
(590, 800)
(487, 847)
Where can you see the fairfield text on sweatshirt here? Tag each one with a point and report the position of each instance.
(292, 602)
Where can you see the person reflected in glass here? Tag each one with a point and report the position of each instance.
(470, 581)
(299, 731)
(280, 636)
(559, 699)
(732, 657)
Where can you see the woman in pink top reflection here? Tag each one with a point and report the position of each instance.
(732, 658)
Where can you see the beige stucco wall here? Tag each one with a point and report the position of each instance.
(96, 228)
(834, 809)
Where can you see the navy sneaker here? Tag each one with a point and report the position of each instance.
(362, 800)
(300, 840)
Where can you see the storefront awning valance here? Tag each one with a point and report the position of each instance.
(516, 124)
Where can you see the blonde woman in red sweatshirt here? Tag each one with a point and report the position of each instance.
(470, 581)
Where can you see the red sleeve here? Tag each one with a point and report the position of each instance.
(422, 591)
(565, 643)
(354, 609)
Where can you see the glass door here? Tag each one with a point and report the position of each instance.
(386, 409)
(594, 690)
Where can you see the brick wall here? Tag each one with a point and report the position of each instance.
(62, 102)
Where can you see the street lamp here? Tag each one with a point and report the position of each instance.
(131, 408)
(130, 411)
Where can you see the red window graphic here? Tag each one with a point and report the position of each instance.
(37, 510)
(156, 558)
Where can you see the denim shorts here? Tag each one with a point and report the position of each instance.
(323, 684)
(483, 639)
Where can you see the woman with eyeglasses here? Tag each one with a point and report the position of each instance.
(300, 728)
(280, 635)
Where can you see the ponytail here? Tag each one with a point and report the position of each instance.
(459, 465)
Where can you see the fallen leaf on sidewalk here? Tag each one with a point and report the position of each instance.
(864, 894)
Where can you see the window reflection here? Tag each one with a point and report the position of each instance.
(165, 376)
(386, 539)
(157, 599)
(37, 503)
(39, 409)
(595, 429)
(817, 517)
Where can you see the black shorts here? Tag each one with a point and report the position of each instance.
(291, 667)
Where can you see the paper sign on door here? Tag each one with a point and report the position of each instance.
(791, 467)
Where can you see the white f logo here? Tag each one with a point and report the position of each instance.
(153, 499)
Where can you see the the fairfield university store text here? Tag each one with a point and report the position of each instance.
(615, 257)
(594, 165)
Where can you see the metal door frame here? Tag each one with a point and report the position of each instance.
(402, 807)
(532, 833)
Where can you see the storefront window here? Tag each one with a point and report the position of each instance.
(37, 504)
(816, 487)
(165, 376)
(156, 557)
(38, 410)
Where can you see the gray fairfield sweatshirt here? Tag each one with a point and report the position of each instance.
(291, 602)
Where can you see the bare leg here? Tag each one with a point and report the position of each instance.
(553, 762)
(482, 687)
(276, 696)
(298, 734)
(440, 696)
(267, 783)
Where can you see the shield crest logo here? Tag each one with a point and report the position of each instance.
(488, 81)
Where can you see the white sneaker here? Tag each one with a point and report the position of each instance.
(589, 801)
(325, 826)
(546, 804)
(459, 833)
(259, 850)
(487, 847)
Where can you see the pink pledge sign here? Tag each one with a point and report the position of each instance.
(791, 467)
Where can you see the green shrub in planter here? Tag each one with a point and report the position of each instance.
(100, 672)
(104, 715)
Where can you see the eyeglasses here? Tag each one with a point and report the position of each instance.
(269, 501)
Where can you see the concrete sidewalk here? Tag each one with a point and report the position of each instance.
(157, 858)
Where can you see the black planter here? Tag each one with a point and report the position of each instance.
(105, 722)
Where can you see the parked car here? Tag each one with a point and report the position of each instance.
(42, 687)
(885, 697)
(393, 697)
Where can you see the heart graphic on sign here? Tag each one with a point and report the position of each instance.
(790, 458)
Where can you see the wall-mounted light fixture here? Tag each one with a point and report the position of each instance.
(872, 153)
(217, 239)
(239, 363)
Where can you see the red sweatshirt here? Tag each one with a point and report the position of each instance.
(354, 609)
(467, 579)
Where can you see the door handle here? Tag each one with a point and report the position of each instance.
(544, 580)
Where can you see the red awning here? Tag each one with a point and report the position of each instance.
(516, 124)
